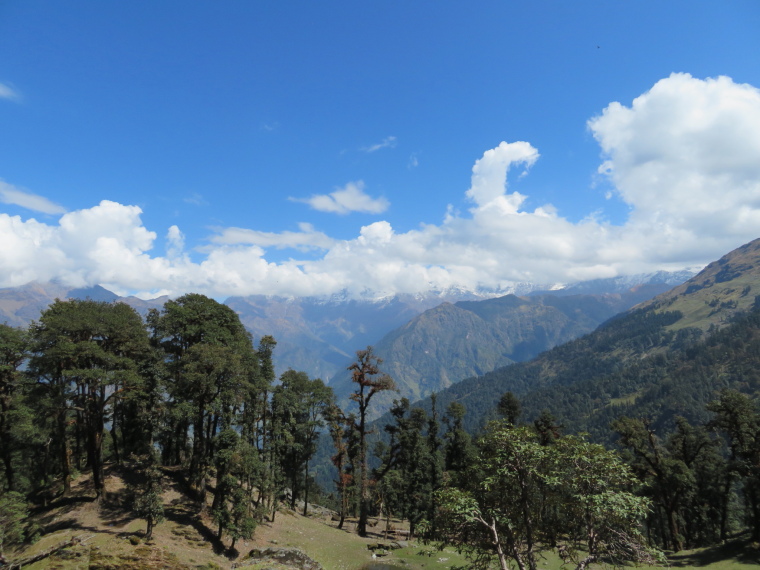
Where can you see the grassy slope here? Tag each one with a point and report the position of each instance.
(183, 541)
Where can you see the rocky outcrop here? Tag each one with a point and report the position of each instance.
(291, 557)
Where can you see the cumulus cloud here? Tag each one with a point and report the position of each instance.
(12, 195)
(175, 243)
(489, 175)
(7, 92)
(684, 156)
(350, 198)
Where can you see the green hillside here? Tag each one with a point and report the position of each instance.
(450, 342)
(667, 357)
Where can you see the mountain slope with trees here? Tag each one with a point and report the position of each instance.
(451, 342)
(669, 356)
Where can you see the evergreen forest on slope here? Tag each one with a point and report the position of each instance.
(495, 465)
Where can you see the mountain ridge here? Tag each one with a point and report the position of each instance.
(666, 356)
(318, 335)
(451, 342)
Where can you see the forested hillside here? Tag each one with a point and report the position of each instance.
(451, 342)
(185, 393)
(669, 357)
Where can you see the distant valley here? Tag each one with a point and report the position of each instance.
(428, 342)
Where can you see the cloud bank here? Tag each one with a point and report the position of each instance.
(684, 156)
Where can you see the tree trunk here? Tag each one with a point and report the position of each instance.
(503, 560)
(7, 456)
(96, 455)
(65, 456)
(675, 535)
(754, 503)
(115, 440)
(585, 562)
(363, 467)
(305, 487)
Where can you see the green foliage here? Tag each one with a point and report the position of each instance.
(211, 375)
(15, 417)
(297, 407)
(85, 355)
(451, 342)
(509, 408)
(146, 491)
(459, 450)
(411, 469)
(739, 419)
(13, 515)
(523, 496)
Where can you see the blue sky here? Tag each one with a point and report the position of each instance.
(302, 148)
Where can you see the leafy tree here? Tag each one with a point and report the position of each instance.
(211, 366)
(668, 479)
(498, 515)
(599, 510)
(13, 514)
(13, 352)
(243, 520)
(226, 442)
(340, 427)
(233, 507)
(408, 474)
(704, 515)
(737, 416)
(86, 353)
(297, 406)
(369, 381)
(146, 491)
(509, 408)
(547, 428)
(459, 450)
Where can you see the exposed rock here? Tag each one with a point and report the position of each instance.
(286, 556)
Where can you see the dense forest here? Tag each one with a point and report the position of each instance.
(186, 392)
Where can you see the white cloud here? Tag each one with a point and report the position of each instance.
(350, 198)
(175, 243)
(387, 142)
(489, 175)
(305, 239)
(684, 156)
(11, 195)
(7, 92)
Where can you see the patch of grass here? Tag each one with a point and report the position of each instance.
(627, 399)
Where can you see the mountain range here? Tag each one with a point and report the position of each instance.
(665, 358)
(454, 341)
(428, 341)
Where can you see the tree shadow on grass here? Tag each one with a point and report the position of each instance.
(741, 550)
(183, 512)
(115, 508)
